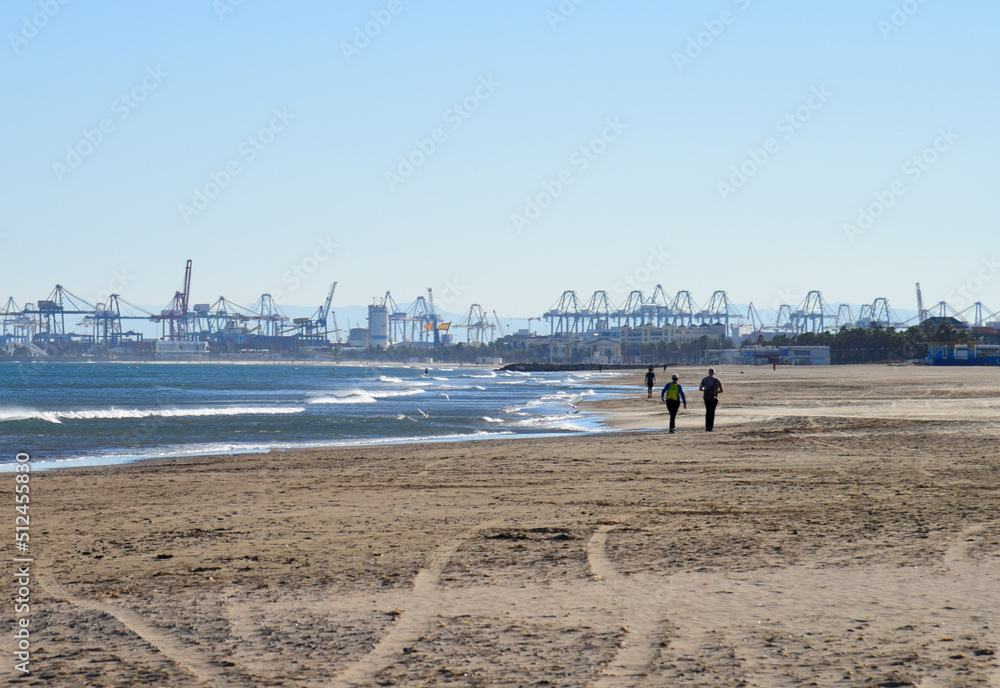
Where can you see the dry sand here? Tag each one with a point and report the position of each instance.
(840, 528)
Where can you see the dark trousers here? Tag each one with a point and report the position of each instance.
(710, 405)
(672, 406)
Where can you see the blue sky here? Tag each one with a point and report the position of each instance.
(667, 122)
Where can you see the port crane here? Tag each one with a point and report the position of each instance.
(315, 328)
(477, 325)
(174, 318)
(433, 318)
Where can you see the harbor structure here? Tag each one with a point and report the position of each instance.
(595, 328)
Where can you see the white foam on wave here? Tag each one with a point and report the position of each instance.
(121, 413)
(569, 397)
(460, 387)
(397, 393)
(399, 381)
(554, 422)
(13, 414)
(560, 397)
(492, 420)
(358, 396)
(361, 396)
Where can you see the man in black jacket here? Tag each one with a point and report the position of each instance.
(712, 388)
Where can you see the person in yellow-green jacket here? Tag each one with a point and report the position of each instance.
(673, 394)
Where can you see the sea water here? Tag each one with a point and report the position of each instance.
(85, 414)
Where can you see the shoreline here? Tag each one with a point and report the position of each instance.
(628, 411)
(594, 421)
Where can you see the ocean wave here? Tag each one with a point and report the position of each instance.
(454, 387)
(361, 396)
(358, 396)
(560, 422)
(400, 381)
(306, 409)
(27, 414)
(569, 397)
(397, 393)
(120, 413)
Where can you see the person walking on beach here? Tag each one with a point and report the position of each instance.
(712, 388)
(650, 381)
(673, 394)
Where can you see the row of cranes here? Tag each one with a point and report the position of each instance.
(570, 315)
(421, 324)
(46, 321)
(53, 319)
(223, 319)
(814, 314)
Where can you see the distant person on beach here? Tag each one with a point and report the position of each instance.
(712, 388)
(673, 395)
(650, 381)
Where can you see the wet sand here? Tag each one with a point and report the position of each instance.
(841, 527)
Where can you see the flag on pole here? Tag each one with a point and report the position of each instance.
(443, 327)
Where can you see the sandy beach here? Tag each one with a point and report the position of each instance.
(841, 527)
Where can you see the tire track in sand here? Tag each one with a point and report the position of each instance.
(983, 579)
(423, 603)
(185, 656)
(636, 598)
